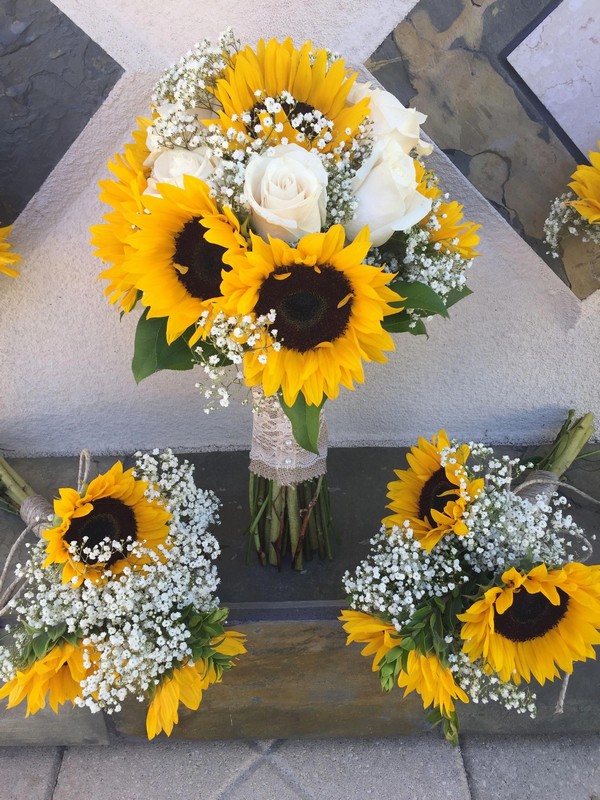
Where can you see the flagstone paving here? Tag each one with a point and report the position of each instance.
(422, 767)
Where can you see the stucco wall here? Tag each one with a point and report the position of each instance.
(505, 367)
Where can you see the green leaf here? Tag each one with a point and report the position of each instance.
(40, 645)
(454, 295)
(419, 296)
(152, 352)
(402, 322)
(305, 420)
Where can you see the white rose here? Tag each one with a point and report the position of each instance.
(386, 189)
(391, 118)
(171, 165)
(286, 191)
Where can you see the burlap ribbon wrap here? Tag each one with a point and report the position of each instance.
(37, 513)
(538, 482)
(275, 454)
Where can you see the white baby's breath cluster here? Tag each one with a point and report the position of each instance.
(482, 687)
(132, 624)
(228, 339)
(563, 220)
(505, 530)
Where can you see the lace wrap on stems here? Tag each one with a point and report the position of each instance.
(275, 454)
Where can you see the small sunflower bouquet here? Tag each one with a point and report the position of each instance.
(475, 584)
(8, 257)
(577, 212)
(276, 223)
(119, 598)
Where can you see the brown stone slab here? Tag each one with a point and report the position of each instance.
(298, 679)
(71, 726)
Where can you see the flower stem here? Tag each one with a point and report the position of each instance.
(569, 442)
(13, 489)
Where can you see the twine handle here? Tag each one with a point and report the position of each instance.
(538, 482)
(36, 512)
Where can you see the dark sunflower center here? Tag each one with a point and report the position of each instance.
(306, 304)
(431, 495)
(530, 616)
(203, 260)
(109, 519)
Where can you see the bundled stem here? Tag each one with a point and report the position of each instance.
(289, 519)
(13, 489)
(570, 441)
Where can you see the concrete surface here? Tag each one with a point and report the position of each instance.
(409, 768)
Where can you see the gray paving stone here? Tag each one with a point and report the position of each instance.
(265, 783)
(404, 768)
(171, 771)
(28, 772)
(565, 768)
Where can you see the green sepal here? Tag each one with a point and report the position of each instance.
(306, 421)
(151, 351)
(419, 296)
(454, 295)
(450, 723)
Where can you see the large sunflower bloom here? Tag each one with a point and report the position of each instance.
(379, 636)
(58, 674)
(536, 623)
(329, 307)
(181, 248)
(108, 517)
(586, 185)
(277, 68)
(433, 498)
(434, 682)
(124, 194)
(7, 255)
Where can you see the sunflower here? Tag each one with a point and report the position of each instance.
(302, 82)
(452, 234)
(186, 684)
(379, 636)
(427, 676)
(124, 195)
(536, 623)
(58, 674)
(328, 305)
(431, 497)
(177, 264)
(97, 528)
(586, 185)
(7, 256)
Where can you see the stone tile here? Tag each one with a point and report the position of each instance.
(53, 79)
(497, 132)
(182, 771)
(28, 772)
(538, 769)
(265, 783)
(72, 726)
(410, 768)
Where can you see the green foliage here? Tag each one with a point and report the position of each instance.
(450, 723)
(204, 628)
(305, 421)
(40, 641)
(419, 297)
(151, 351)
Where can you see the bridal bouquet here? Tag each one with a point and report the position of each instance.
(8, 257)
(577, 212)
(119, 598)
(276, 223)
(475, 584)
